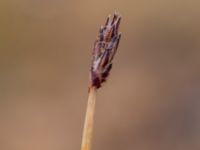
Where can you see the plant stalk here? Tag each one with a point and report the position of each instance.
(89, 120)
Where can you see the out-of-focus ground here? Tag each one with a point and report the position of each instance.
(152, 98)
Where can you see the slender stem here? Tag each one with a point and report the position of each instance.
(89, 120)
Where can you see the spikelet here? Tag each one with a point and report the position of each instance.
(104, 50)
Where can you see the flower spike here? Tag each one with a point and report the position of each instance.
(104, 50)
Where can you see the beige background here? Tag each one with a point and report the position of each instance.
(151, 101)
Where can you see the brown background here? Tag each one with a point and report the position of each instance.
(151, 101)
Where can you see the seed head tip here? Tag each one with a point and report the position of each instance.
(104, 50)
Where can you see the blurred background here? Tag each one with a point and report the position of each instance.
(151, 100)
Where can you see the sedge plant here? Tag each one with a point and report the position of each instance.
(104, 50)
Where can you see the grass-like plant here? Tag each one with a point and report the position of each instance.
(104, 50)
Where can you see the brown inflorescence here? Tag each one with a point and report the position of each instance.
(104, 50)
